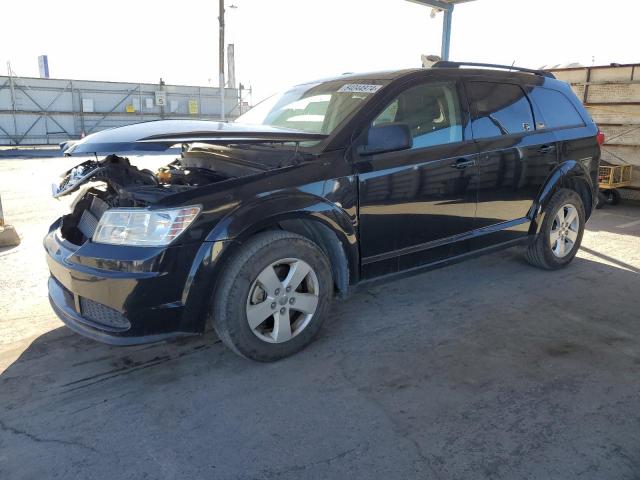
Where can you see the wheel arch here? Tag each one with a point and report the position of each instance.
(331, 227)
(343, 268)
(569, 174)
(328, 225)
(581, 187)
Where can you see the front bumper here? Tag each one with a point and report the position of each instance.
(124, 295)
(62, 302)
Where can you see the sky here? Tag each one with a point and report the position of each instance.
(279, 43)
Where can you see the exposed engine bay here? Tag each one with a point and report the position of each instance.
(114, 182)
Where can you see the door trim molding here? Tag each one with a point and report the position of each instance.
(444, 241)
(371, 282)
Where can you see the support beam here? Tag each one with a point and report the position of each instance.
(446, 33)
(127, 95)
(447, 8)
(13, 100)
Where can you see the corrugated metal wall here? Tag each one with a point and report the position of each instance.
(611, 94)
(36, 111)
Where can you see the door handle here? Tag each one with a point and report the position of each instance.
(463, 163)
(547, 149)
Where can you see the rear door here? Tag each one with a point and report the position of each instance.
(575, 142)
(516, 156)
(413, 203)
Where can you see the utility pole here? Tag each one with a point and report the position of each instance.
(221, 58)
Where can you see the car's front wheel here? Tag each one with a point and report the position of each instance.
(561, 232)
(273, 296)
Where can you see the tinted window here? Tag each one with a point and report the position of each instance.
(557, 110)
(499, 109)
(432, 112)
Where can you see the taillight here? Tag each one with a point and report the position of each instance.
(600, 138)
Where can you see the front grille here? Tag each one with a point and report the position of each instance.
(90, 217)
(87, 224)
(103, 315)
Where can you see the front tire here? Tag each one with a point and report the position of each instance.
(561, 232)
(273, 296)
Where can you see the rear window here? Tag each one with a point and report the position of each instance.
(499, 109)
(557, 110)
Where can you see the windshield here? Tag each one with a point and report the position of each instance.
(313, 108)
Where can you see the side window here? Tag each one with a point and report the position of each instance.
(432, 112)
(499, 109)
(557, 110)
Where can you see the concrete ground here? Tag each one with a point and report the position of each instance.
(489, 369)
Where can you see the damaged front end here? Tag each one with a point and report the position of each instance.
(118, 275)
(211, 153)
(114, 183)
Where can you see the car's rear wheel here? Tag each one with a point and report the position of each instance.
(561, 232)
(273, 296)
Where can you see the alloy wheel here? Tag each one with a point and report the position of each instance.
(282, 300)
(564, 231)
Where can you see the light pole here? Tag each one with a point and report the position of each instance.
(221, 59)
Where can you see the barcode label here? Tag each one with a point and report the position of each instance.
(359, 88)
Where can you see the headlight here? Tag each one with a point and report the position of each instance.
(137, 226)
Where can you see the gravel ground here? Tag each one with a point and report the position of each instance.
(489, 369)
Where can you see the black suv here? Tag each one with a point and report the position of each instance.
(261, 222)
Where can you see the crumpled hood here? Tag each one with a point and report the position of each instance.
(161, 135)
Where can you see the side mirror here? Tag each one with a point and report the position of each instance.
(387, 137)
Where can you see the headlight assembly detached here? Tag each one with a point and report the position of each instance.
(145, 228)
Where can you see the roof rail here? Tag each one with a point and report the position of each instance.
(448, 64)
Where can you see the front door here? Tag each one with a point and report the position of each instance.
(413, 203)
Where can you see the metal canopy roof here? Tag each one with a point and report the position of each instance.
(447, 7)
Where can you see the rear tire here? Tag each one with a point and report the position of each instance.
(608, 197)
(561, 232)
(611, 197)
(273, 296)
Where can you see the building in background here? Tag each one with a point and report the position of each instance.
(41, 111)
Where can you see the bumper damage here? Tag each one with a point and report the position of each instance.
(130, 295)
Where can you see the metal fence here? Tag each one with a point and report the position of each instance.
(40, 111)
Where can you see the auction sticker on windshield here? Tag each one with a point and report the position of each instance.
(359, 88)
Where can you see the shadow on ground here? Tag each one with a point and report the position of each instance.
(487, 369)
